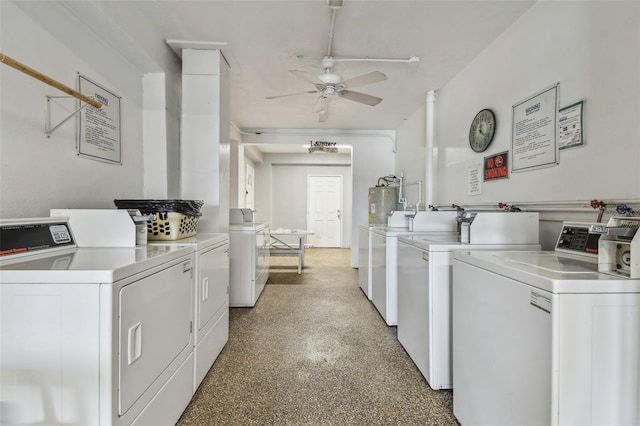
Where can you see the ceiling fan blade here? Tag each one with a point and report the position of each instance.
(306, 76)
(322, 116)
(321, 104)
(366, 78)
(363, 98)
(291, 94)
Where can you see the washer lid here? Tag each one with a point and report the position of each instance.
(552, 262)
(89, 265)
(547, 270)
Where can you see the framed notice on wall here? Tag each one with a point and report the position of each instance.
(99, 130)
(571, 133)
(534, 131)
(474, 180)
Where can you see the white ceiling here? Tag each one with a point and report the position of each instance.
(267, 38)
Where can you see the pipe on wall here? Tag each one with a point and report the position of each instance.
(430, 102)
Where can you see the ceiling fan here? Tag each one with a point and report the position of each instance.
(330, 84)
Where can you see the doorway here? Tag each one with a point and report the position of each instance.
(324, 210)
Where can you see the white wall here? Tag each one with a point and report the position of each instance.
(593, 49)
(154, 103)
(284, 201)
(38, 173)
(372, 157)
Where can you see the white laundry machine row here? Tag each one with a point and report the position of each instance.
(543, 337)
(384, 256)
(99, 336)
(211, 298)
(424, 295)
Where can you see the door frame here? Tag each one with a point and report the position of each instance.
(340, 177)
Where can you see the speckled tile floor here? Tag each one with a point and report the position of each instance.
(314, 351)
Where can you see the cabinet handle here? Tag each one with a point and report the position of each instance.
(135, 343)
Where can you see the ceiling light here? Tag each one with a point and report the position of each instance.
(335, 4)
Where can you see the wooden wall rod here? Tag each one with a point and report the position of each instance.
(51, 82)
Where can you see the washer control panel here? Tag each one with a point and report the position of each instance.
(34, 235)
(580, 238)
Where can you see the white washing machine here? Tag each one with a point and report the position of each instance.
(384, 254)
(364, 258)
(92, 336)
(542, 337)
(248, 263)
(424, 295)
(211, 298)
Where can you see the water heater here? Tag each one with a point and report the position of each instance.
(382, 201)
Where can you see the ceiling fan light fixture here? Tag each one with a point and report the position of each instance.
(330, 78)
(329, 90)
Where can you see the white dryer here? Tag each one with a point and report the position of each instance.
(542, 337)
(211, 298)
(92, 336)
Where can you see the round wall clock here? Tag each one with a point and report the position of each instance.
(482, 130)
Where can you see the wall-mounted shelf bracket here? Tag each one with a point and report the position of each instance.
(47, 117)
(4, 59)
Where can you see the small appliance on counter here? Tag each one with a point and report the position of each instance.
(619, 247)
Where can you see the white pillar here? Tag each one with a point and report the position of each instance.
(430, 154)
(205, 134)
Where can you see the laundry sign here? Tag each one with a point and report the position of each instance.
(322, 146)
(99, 130)
(496, 166)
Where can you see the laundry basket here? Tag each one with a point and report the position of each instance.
(175, 219)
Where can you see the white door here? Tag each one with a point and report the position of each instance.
(324, 210)
(249, 187)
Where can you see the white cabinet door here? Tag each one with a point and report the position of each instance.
(155, 327)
